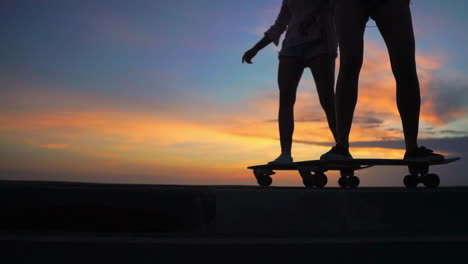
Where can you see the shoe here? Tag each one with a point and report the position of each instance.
(337, 153)
(282, 159)
(423, 154)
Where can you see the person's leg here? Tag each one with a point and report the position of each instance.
(393, 18)
(323, 70)
(289, 74)
(350, 20)
(394, 21)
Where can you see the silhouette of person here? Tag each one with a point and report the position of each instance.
(310, 41)
(393, 19)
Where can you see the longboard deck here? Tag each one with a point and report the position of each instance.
(313, 171)
(354, 164)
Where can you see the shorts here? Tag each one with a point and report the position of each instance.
(371, 6)
(308, 51)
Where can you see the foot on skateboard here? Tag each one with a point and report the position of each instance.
(337, 153)
(424, 155)
(284, 158)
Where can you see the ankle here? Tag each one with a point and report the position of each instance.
(412, 149)
(342, 148)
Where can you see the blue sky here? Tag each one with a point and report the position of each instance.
(199, 42)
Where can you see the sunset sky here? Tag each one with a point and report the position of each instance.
(154, 91)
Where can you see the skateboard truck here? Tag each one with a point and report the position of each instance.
(313, 177)
(263, 176)
(348, 179)
(420, 174)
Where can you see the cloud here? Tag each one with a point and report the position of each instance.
(28, 98)
(454, 132)
(449, 99)
(454, 146)
(54, 146)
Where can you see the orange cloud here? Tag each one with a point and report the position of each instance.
(54, 146)
(114, 137)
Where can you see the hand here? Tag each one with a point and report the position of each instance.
(249, 55)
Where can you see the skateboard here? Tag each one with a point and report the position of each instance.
(313, 171)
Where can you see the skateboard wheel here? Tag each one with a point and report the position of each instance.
(321, 180)
(307, 178)
(353, 182)
(343, 182)
(411, 181)
(431, 180)
(308, 181)
(265, 181)
(263, 177)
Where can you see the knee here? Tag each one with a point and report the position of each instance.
(407, 78)
(287, 103)
(287, 100)
(405, 71)
(350, 65)
(327, 103)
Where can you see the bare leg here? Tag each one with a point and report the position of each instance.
(394, 22)
(323, 70)
(289, 74)
(350, 22)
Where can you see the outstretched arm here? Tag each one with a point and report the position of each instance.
(272, 34)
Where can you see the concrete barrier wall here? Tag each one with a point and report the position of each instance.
(231, 210)
(325, 212)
